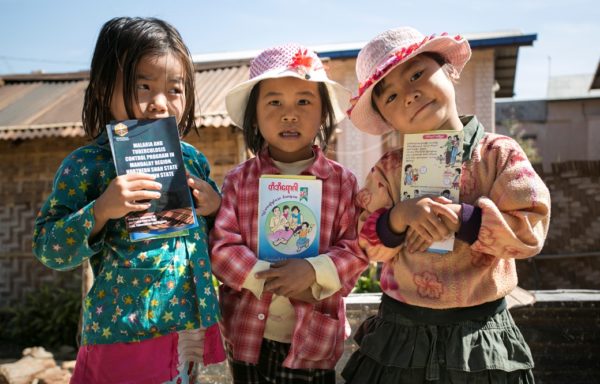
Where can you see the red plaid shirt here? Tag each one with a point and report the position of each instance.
(318, 336)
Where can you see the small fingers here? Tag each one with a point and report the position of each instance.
(443, 210)
(144, 184)
(437, 228)
(136, 206)
(138, 176)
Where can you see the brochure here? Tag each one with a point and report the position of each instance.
(432, 165)
(153, 147)
(289, 217)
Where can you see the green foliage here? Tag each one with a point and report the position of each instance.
(368, 281)
(48, 317)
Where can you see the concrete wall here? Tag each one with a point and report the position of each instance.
(569, 130)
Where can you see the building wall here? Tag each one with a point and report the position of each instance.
(475, 88)
(571, 254)
(26, 175)
(223, 147)
(353, 148)
(570, 130)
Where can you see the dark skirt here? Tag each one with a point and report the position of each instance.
(270, 368)
(479, 344)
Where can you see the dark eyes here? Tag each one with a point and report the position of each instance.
(172, 91)
(390, 98)
(278, 103)
(416, 76)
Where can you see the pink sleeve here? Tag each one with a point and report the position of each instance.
(376, 196)
(516, 212)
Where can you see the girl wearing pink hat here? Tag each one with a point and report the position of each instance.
(443, 318)
(285, 322)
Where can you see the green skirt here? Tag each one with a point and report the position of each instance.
(396, 347)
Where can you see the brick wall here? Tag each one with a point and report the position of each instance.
(223, 147)
(571, 255)
(26, 172)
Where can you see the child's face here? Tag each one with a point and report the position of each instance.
(288, 113)
(159, 88)
(418, 96)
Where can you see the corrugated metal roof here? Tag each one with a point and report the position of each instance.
(50, 105)
(211, 87)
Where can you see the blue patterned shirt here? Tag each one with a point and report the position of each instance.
(141, 289)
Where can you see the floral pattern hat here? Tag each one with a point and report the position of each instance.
(289, 60)
(384, 53)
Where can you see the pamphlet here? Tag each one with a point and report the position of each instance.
(153, 147)
(289, 217)
(432, 166)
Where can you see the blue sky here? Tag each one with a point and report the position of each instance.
(59, 35)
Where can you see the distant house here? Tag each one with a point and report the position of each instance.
(565, 125)
(40, 123)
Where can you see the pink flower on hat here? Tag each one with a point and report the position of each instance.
(302, 63)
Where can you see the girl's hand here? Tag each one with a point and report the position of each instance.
(126, 193)
(289, 278)
(423, 215)
(453, 226)
(415, 243)
(208, 201)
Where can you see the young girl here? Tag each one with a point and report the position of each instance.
(285, 322)
(443, 317)
(145, 317)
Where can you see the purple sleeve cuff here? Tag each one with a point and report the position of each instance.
(388, 237)
(470, 223)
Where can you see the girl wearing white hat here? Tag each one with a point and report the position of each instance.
(443, 318)
(285, 322)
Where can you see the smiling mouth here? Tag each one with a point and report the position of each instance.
(421, 109)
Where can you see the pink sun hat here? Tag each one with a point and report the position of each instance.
(290, 60)
(384, 53)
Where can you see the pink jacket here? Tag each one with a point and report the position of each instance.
(515, 213)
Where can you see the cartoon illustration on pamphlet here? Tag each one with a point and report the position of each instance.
(289, 217)
(432, 167)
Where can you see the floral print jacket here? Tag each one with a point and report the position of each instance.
(497, 178)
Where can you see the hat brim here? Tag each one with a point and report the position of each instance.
(367, 119)
(237, 98)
